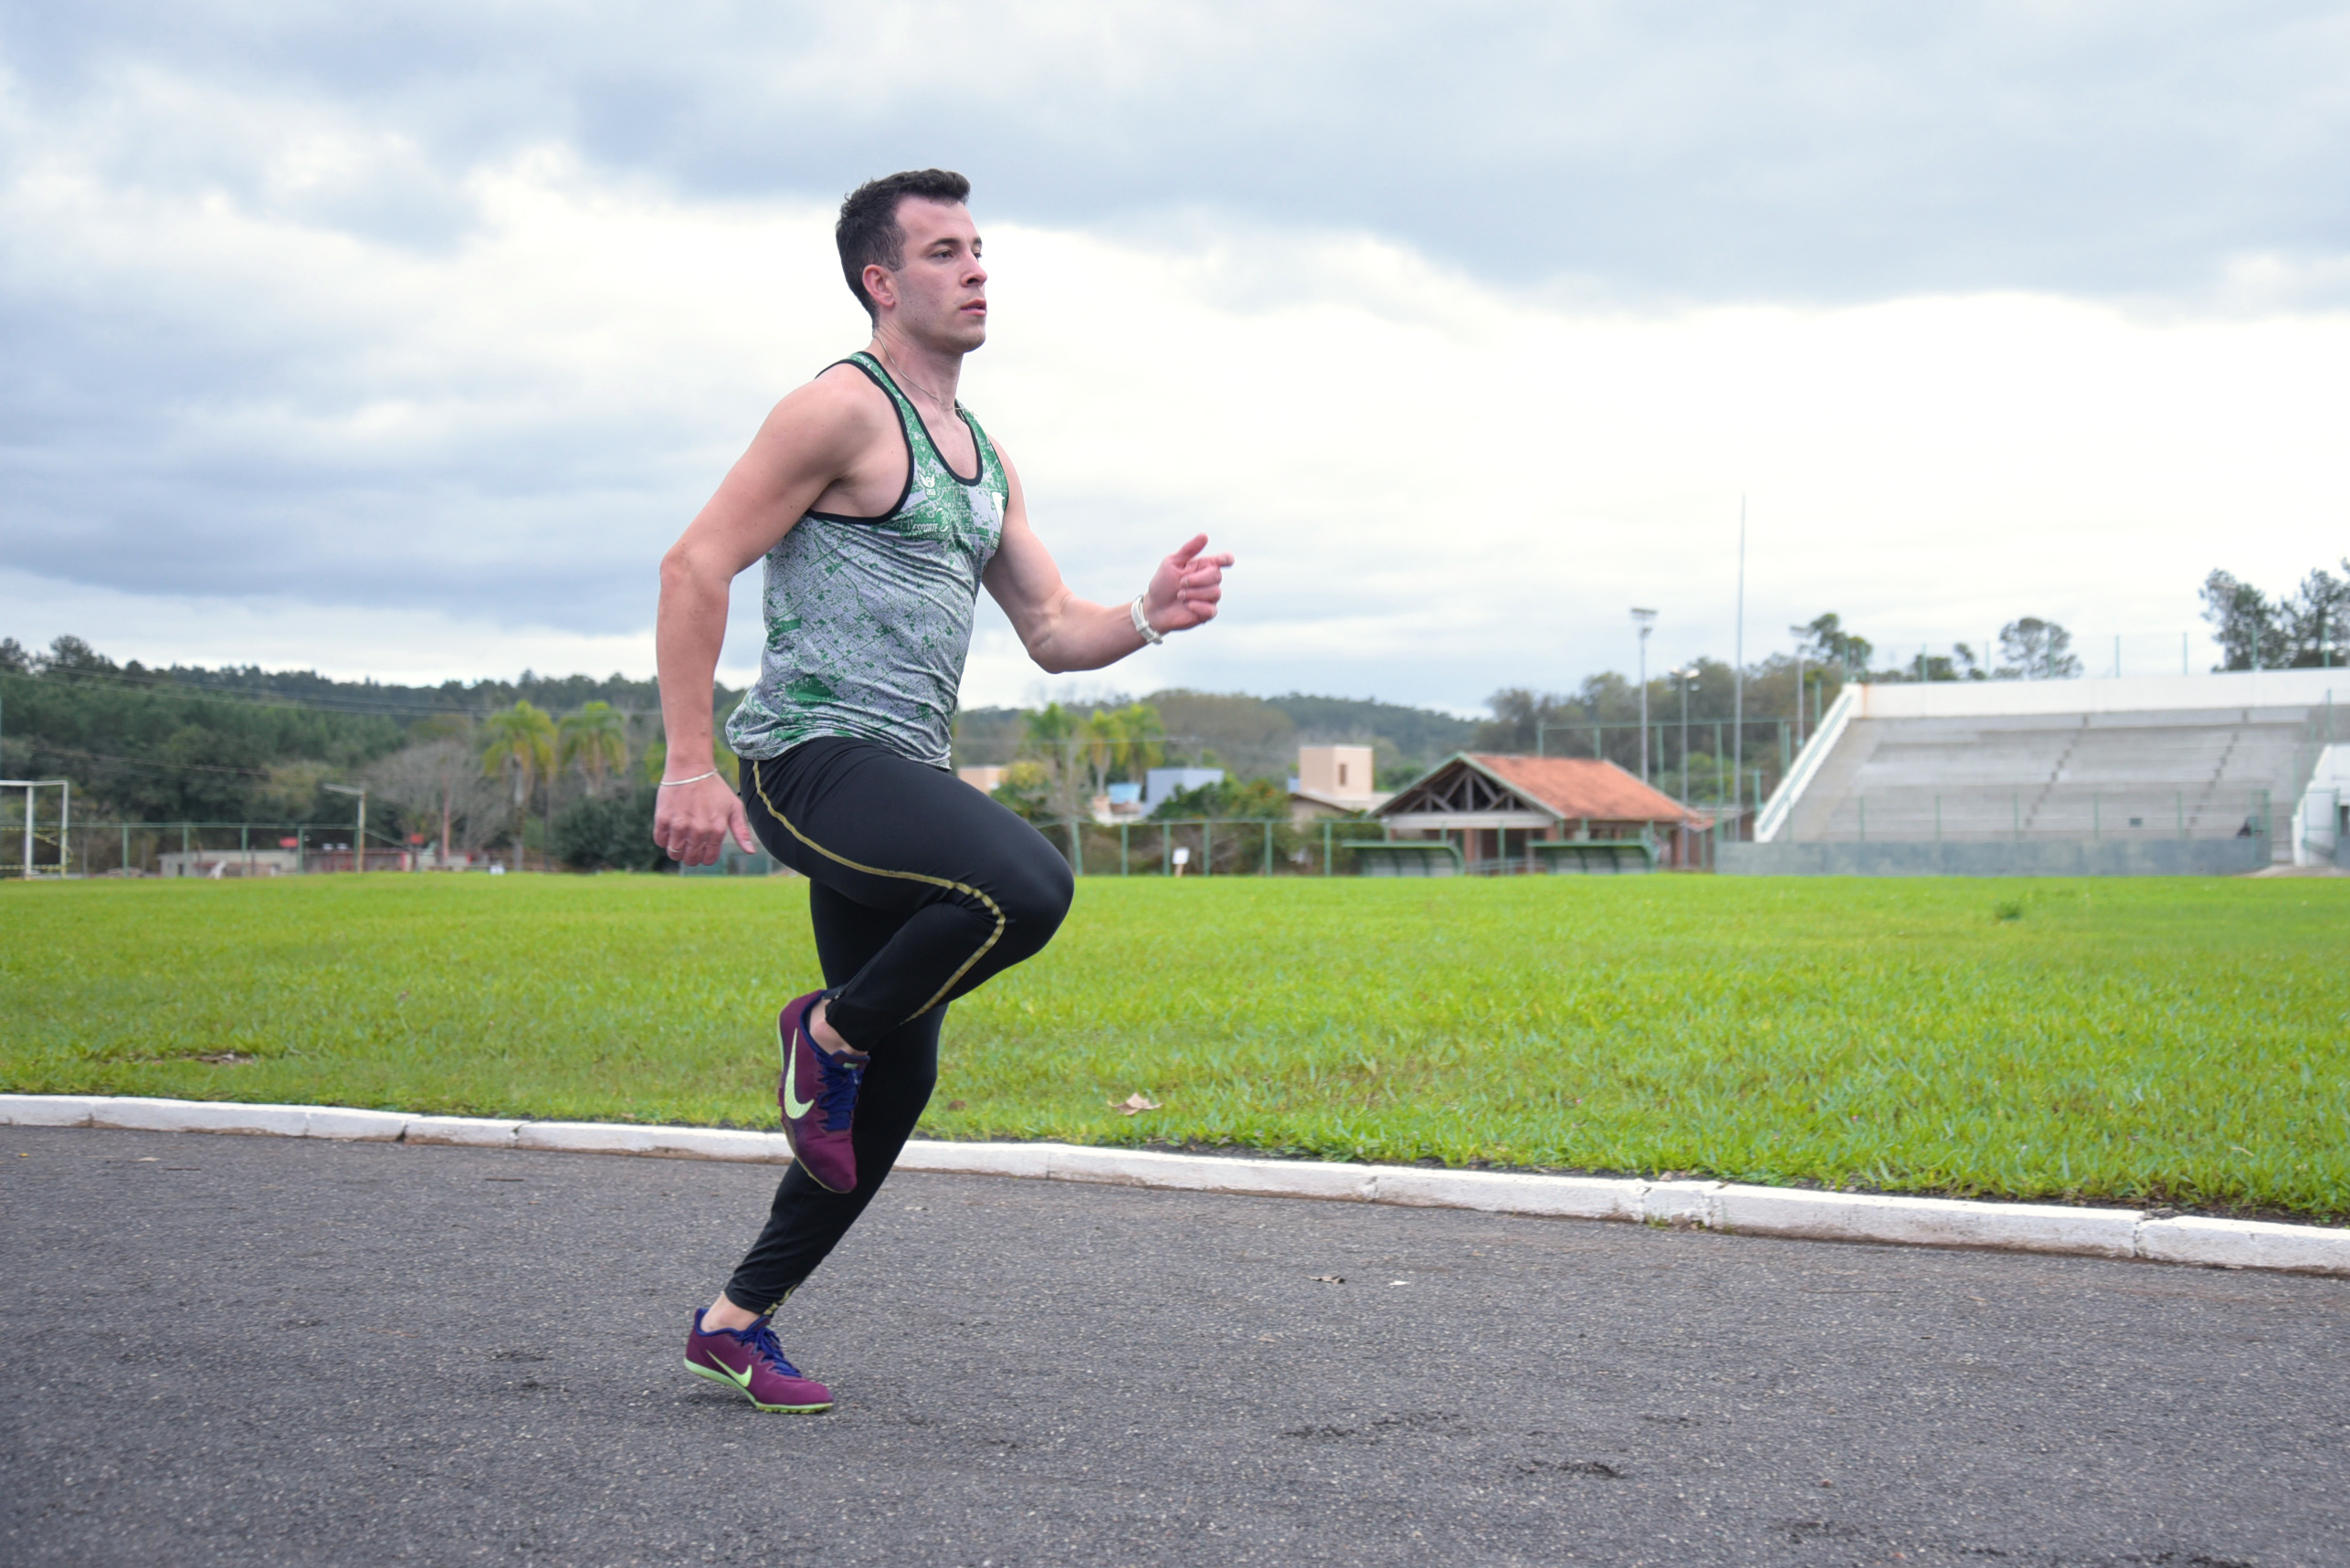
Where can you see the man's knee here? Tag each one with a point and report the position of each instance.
(1033, 896)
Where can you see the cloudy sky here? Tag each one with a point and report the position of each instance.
(401, 344)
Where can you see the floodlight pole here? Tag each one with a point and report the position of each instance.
(1682, 678)
(1646, 620)
(1738, 657)
(359, 843)
(1802, 634)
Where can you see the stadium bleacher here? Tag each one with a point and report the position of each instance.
(2153, 760)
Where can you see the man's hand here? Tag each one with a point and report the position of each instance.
(1063, 632)
(1185, 589)
(693, 821)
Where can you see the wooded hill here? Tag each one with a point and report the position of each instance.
(246, 744)
(187, 744)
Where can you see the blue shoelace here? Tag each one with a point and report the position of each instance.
(838, 1098)
(762, 1339)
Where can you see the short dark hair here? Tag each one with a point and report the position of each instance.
(868, 232)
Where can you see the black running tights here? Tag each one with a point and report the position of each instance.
(921, 888)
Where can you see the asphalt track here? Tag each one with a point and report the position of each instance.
(257, 1350)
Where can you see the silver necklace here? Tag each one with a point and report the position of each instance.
(947, 403)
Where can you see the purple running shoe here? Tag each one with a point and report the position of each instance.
(749, 1360)
(817, 1095)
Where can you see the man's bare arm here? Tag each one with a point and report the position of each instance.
(1063, 632)
(810, 442)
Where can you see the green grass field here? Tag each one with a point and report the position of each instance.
(2144, 1040)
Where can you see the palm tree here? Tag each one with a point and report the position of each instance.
(1142, 738)
(597, 740)
(521, 745)
(1104, 738)
(1130, 738)
(1052, 740)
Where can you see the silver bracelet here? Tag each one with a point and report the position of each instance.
(1143, 623)
(672, 783)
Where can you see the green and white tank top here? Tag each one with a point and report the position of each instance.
(868, 618)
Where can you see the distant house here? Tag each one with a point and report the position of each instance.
(1494, 807)
(1161, 783)
(986, 780)
(1334, 780)
(1118, 802)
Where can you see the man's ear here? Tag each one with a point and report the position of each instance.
(880, 286)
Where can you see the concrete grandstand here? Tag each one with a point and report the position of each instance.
(2208, 774)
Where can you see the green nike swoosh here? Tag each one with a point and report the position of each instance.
(793, 1106)
(739, 1379)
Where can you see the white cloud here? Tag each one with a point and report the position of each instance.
(402, 645)
(462, 459)
(1437, 488)
(1711, 150)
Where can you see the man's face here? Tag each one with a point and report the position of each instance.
(939, 297)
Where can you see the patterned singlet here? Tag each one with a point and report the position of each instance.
(868, 618)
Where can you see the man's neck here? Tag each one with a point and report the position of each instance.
(931, 373)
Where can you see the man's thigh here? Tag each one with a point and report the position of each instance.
(889, 833)
(849, 934)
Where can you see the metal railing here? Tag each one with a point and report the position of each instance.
(147, 849)
(1254, 846)
(1906, 821)
(1808, 763)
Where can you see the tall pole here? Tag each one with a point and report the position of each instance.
(28, 827)
(1681, 678)
(1801, 635)
(1646, 620)
(1738, 658)
(358, 845)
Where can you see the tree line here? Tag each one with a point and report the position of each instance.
(555, 768)
(565, 767)
(1784, 695)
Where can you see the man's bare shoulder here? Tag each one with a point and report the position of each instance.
(842, 392)
(840, 408)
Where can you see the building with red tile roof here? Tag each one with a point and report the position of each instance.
(1497, 805)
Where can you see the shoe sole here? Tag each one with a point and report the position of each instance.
(719, 1377)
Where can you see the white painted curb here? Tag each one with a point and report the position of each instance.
(1712, 1206)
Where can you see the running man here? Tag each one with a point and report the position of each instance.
(880, 508)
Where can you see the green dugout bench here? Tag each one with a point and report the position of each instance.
(1432, 858)
(1408, 857)
(1595, 857)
